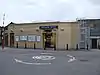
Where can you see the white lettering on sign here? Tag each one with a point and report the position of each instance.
(44, 57)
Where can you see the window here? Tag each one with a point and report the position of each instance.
(16, 38)
(82, 44)
(23, 38)
(31, 38)
(81, 25)
(82, 30)
(82, 37)
(38, 38)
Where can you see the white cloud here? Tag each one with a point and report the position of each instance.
(30, 10)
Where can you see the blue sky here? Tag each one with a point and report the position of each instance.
(19, 11)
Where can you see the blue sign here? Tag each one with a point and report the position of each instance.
(48, 27)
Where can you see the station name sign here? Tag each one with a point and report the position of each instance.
(48, 27)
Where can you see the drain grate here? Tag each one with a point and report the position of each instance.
(83, 60)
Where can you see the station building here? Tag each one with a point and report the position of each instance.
(42, 35)
(60, 35)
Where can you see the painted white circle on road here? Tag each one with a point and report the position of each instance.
(44, 57)
(28, 63)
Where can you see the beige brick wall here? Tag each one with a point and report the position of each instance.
(28, 30)
(64, 37)
(68, 36)
(9, 31)
(74, 35)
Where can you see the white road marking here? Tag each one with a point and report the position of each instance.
(44, 57)
(69, 56)
(46, 53)
(72, 58)
(20, 61)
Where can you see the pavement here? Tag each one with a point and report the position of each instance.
(15, 61)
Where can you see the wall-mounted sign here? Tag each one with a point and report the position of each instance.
(38, 38)
(31, 38)
(16, 38)
(48, 27)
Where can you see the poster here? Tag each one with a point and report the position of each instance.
(31, 38)
(38, 38)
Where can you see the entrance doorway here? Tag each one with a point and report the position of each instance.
(6, 39)
(11, 39)
(94, 43)
(48, 39)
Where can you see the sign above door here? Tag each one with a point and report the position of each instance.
(48, 27)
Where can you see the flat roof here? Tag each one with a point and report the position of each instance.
(89, 20)
(42, 22)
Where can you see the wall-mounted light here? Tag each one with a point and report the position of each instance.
(11, 30)
(21, 29)
(62, 29)
(37, 29)
(54, 29)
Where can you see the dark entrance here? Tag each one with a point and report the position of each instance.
(11, 39)
(6, 39)
(48, 35)
(94, 43)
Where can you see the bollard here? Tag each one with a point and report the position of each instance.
(34, 46)
(77, 47)
(25, 45)
(87, 47)
(54, 47)
(66, 46)
(17, 45)
(44, 48)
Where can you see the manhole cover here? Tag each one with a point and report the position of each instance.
(44, 57)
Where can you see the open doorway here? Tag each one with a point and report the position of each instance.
(94, 43)
(6, 39)
(48, 39)
(11, 39)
